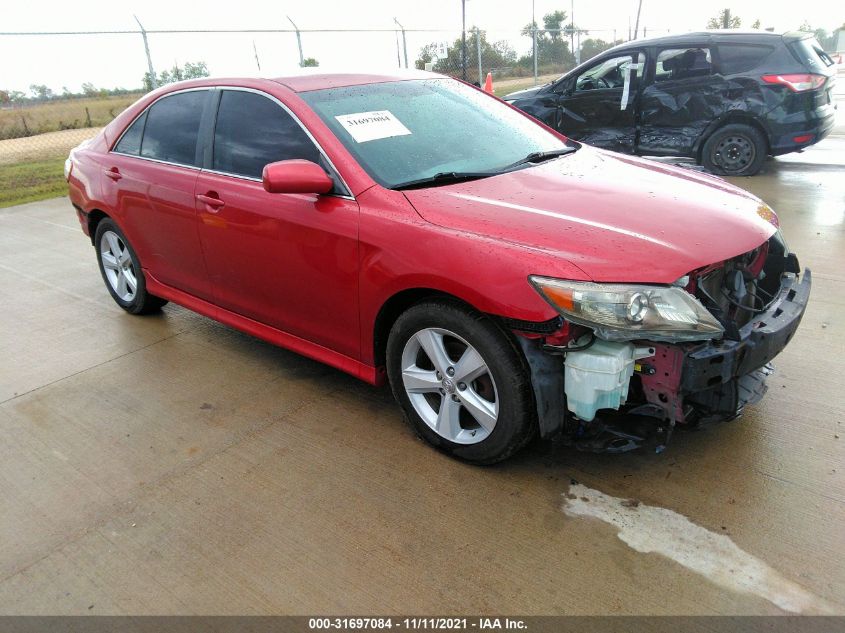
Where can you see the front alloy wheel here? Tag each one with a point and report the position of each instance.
(461, 381)
(450, 386)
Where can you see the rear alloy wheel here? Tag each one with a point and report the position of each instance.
(734, 150)
(461, 382)
(121, 270)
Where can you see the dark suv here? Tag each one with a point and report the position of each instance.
(725, 98)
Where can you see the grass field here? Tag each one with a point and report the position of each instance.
(28, 182)
(62, 114)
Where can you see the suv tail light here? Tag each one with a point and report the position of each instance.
(796, 83)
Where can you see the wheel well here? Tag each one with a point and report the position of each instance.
(733, 118)
(392, 309)
(94, 218)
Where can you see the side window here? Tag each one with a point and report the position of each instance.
(610, 73)
(172, 128)
(683, 63)
(130, 142)
(253, 131)
(737, 58)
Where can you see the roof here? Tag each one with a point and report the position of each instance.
(305, 80)
(718, 34)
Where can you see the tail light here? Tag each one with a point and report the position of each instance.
(796, 83)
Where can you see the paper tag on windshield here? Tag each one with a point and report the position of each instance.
(370, 126)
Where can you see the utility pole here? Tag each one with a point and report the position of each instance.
(404, 42)
(298, 41)
(153, 81)
(464, 40)
(637, 23)
(257, 63)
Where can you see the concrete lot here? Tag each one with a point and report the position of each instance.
(167, 464)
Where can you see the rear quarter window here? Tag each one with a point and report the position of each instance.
(130, 142)
(811, 54)
(738, 58)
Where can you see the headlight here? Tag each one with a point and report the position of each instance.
(624, 312)
(68, 167)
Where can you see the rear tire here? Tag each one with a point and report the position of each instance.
(734, 150)
(121, 270)
(461, 381)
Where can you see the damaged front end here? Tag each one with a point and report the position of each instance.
(627, 363)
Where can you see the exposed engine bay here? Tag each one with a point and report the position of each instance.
(617, 395)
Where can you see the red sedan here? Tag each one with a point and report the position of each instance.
(507, 281)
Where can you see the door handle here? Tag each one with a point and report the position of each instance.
(113, 173)
(213, 202)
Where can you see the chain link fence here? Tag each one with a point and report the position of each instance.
(39, 125)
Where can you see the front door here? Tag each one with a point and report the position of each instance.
(286, 260)
(599, 106)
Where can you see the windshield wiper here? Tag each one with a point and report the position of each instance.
(444, 178)
(539, 157)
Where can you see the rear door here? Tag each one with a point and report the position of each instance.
(598, 106)
(149, 181)
(681, 97)
(286, 260)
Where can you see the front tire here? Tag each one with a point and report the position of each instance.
(461, 381)
(734, 150)
(121, 270)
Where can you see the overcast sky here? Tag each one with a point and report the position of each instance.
(118, 60)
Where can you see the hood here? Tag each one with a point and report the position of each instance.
(618, 218)
(523, 94)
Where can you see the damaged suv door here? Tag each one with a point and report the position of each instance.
(599, 104)
(676, 102)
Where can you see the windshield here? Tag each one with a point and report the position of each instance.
(404, 131)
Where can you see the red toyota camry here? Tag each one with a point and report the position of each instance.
(507, 281)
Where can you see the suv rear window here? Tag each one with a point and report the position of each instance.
(811, 54)
(737, 58)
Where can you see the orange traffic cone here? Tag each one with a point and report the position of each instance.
(488, 83)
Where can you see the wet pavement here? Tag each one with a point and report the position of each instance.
(168, 464)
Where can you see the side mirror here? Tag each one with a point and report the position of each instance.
(295, 176)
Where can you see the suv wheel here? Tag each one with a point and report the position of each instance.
(121, 270)
(462, 383)
(734, 150)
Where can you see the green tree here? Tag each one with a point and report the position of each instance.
(40, 92)
(592, 47)
(756, 24)
(89, 90)
(552, 41)
(495, 55)
(310, 62)
(5, 97)
(191, 70)
(725, 21)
